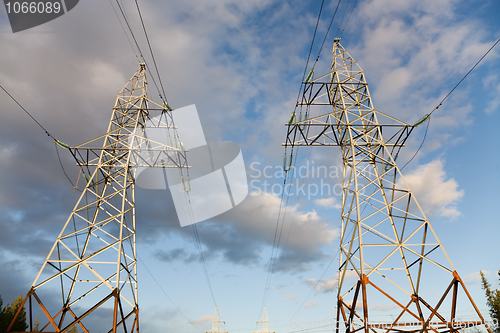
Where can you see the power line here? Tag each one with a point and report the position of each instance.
(164, 99)
(421, 144)
(343, 16)
(202, 259)
(444, 99)
(348, 18)
(327, 31)
(277, 236)
(151, 51)
(320, 279)
(312, 42)
(56, 142)
(130, 29)
(272, 260)
(303, 76)
(312, 329)
(29, 114)
(139, 48)
(63, 170)
(123, 29)
(164, 292)
(415, 153)
(313, 288)
(455, 87)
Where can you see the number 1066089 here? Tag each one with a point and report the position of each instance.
(33, 7)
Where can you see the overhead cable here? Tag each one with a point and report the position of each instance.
(428, 116)
(312, 289)
(29, 114)
(151, 51)
(348, 18)
(139, 48)
(56, 142)
(277, 238)
(164, 292)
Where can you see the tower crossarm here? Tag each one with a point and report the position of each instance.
(323, 133)
(352, 111)
(147, 153)
(129, 136)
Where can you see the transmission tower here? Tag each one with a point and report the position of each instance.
(265, 322)
(92, 265)
(389, 251)
(215, 323)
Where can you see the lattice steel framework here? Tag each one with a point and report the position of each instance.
(389, 251)
(216, 323)
(93, 263)
(265, 322)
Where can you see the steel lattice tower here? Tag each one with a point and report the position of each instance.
(388, 249)
(216, 323)
(93, 263)
(265, 322)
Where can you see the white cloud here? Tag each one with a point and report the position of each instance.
(279, 287)
(434, 192)
(474, 278)
(329, 285)
(412, 54)
(310, 304)
(492, 85)
(203, 319)
(242, 234)
(291, 297)
(328, 203)
(257, 215)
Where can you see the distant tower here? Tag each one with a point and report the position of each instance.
(215, 323)
(92, 266)
(389, 252)
(265, 322)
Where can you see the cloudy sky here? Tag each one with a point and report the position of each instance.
(241, 63)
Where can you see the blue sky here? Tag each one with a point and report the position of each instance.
(241, 64)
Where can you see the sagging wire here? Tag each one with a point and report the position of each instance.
(163, 97)
(272, 260)
(427, 117)
(56, 142)
(312, 289)
(327, 32)
(165, 293)
(320, 279)
(274, 252)
(348, 18)
(202, 259)
(29, 114)
(123, 29)
(151, 51)
(343, 16)
(139, 49)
